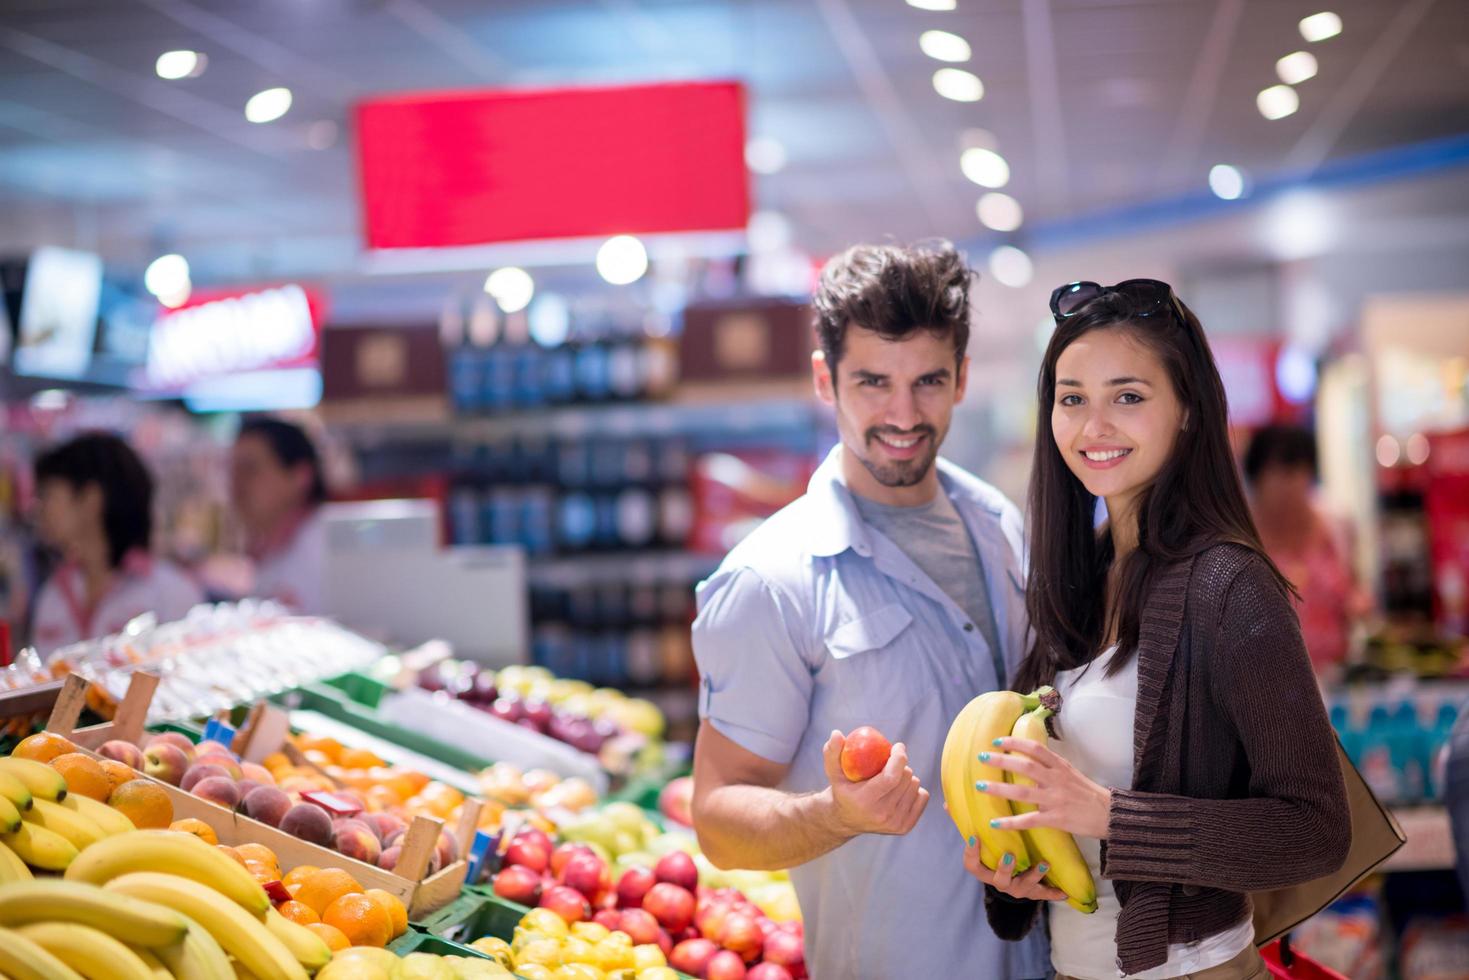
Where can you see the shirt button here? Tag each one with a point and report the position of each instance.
(969, 627)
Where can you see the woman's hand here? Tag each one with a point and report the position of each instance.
(1065, 799)
(1028, 885)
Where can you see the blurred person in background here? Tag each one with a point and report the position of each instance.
(95, 508)
(277, 488)
(1312, 549)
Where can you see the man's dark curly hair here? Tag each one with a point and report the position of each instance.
(895, 291)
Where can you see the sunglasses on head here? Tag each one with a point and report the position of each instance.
(1147, 296)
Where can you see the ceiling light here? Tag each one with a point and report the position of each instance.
(985, 167)
(1296, 67)
(958, 84)
(174, 65)
(1000, 212)
(622, 259)
(1011, 267)
(550, 321)
(1319, 27)
(167, 275)
(1277, 101)
(269, 105)
(512, 288)
(765, 155)
(932, 4)
(1226, 181)
(943, 46)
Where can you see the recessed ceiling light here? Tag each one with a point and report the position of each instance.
(943, 46)
(1011, 267)
(1319, 27)
(622, 259)
(985, 167)
(174, 65)
(1226, 181)
(958, 84)
(765, 155)
(1296, 67)
(269, 105)
(932, 4)
(167, 275)
(1000, 211)
(512, 288)
(1277, 101)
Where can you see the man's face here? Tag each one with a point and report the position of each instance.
(894, 400)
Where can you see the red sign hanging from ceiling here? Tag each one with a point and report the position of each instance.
(233, 331)
(451, 169)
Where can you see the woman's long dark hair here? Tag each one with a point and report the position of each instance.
(1195, 501)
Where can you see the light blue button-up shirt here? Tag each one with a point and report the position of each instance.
(817, 621)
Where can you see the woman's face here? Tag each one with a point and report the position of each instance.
(264, 491)
(65, 515)
(1116, 416)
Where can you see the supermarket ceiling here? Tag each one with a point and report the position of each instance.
(1096, 104)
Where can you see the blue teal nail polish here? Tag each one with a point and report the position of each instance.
(984, 757)
(972, 842)
(1009, 858)
(995, 824)
(997, 742)
(1044, 868)
(980, 786)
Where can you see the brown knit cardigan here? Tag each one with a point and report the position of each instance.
(1236, 786)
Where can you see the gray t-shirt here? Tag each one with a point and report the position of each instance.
(934, 537)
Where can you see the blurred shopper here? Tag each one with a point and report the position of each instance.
(1195, 762)
(1312, 550)
(277, 487)
(95, 507)
(889, 595)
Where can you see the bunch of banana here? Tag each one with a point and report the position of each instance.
(37, 827)
(62, 929)
(990, 716)
(1057, 848)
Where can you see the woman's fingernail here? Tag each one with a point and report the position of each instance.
(980, 786)
(1043, 868)
(972, 842)
(984, 757)
(1009, 858)
(995, 824)
(997, 742)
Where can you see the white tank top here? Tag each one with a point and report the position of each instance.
(1096, 727)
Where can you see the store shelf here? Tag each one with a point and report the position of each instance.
(1430, 845)
(634, 566)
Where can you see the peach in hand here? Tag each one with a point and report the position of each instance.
(864, 754)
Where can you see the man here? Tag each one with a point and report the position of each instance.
(889, 595)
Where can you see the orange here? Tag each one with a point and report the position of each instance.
(117, 772)
(331, 935)
(328, 747)
(198, 828)
(43, 747)
(318, 758)
(391, 904)
(299, 874)
(144, 803)
(233, 854)
(359, 759)
(262, 873)
(381, 798)
(298, 913)
(260, 853)
(324, 887)
(276, 760)
(362, 920)
(84, 775)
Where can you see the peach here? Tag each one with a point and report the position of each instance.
(447, 850)
(308, 822)
(267, 804)
(225, 762)
(355, 840)
(864, 753)
(384, 824)
(210, 746)
(388, 860)
(199, 772)
(176, 739)
(258, 773)
(125, 752)
(218, 789)
(165, 761)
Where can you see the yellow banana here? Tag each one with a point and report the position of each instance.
(52, 900)
(12, 868)
(39, 778)
(990, 716)
(155, 966)
(1068, 870)
(9, 816)
(310, 950)
(91, 953)
(241, 934)
(15, 791)
(76, 828)
(175, 853)
(22, 959)
(40, 848)
(198, 957)
(108, 820)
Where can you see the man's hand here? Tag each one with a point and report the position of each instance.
(889, 803)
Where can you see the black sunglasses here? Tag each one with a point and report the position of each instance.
(1147, 296)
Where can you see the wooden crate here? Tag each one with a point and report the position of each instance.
(410, 881)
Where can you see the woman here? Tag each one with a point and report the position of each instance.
(277, 487)
(1311, 551)
(95, 507)
(1195, 762)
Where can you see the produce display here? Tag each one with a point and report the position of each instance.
(963, 766)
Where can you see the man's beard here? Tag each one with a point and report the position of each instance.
(902, 472)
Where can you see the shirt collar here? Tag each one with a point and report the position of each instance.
(837, 525)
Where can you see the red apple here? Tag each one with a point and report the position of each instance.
(671, 905)
(610, 920)
(665, 942)
(692, 955)
(539, 836)
(676, 801)
(639, 924)
(768, 971)
(633, 885)
(564, 853)
(786, 949)
(586, 873)
(518, 883)
(742, 935)
(864, 754)
(725, 965)
(566, 902)
(528, 853)
(710, 919)
(677, 868)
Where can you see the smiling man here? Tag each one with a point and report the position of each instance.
(889, 595)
